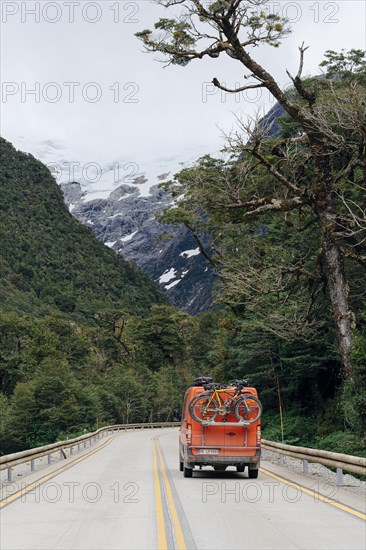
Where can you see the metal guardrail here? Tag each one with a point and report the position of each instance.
(339, 461)
(8, 462)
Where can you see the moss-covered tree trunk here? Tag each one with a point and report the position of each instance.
(337, 286)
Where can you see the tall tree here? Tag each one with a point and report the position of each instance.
(319, 168)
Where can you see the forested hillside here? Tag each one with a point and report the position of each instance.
(49, 261)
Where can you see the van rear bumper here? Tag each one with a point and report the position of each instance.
(194, 459)
(228, 460)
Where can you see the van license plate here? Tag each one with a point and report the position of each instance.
(208, 451)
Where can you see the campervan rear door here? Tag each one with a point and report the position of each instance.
(212, 436)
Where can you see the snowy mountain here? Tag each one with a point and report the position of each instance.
(118, 201)
(125, 220)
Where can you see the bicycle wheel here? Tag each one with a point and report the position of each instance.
(203, 408)
(248, 409)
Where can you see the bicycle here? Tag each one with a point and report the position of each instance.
(206, 406)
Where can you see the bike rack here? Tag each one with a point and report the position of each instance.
(213, 423)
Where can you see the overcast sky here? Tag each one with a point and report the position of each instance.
(160, 113)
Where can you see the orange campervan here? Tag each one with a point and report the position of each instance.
(220, 427)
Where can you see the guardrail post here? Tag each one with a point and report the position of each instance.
(71, 450)
(32, 465)
(339, 477)
(263, 454)
(10, 475)
(282, 459)
(49, 459)
(78, 447)
(305, 466)
(61, 455)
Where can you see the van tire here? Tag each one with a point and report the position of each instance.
(187, 472)
(240, 468)
(181, 466)
(253, 474)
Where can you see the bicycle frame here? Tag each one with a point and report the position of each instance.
(215, 394)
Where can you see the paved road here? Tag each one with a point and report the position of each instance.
(129, 494)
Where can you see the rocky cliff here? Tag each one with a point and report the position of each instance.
(126, 222)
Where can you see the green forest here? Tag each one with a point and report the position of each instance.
(87, 340)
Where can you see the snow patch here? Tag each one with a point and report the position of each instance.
(110, 243)
(171, 274)
(128, 237)
(190, 253)
(174, 283)
(71, 207)
(115, 216)
(126, 196)
(94, 195)
(167, 276)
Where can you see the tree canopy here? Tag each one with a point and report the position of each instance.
(314, 177)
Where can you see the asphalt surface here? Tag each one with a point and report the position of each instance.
(128, 493)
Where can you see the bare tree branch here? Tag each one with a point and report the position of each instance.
(236, 90)
(298, 83)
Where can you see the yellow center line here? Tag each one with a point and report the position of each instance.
(28, 488)
(179, 537)
(160, 523)
(316, 495)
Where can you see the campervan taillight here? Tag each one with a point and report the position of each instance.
(189, 433)
(259, 434)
